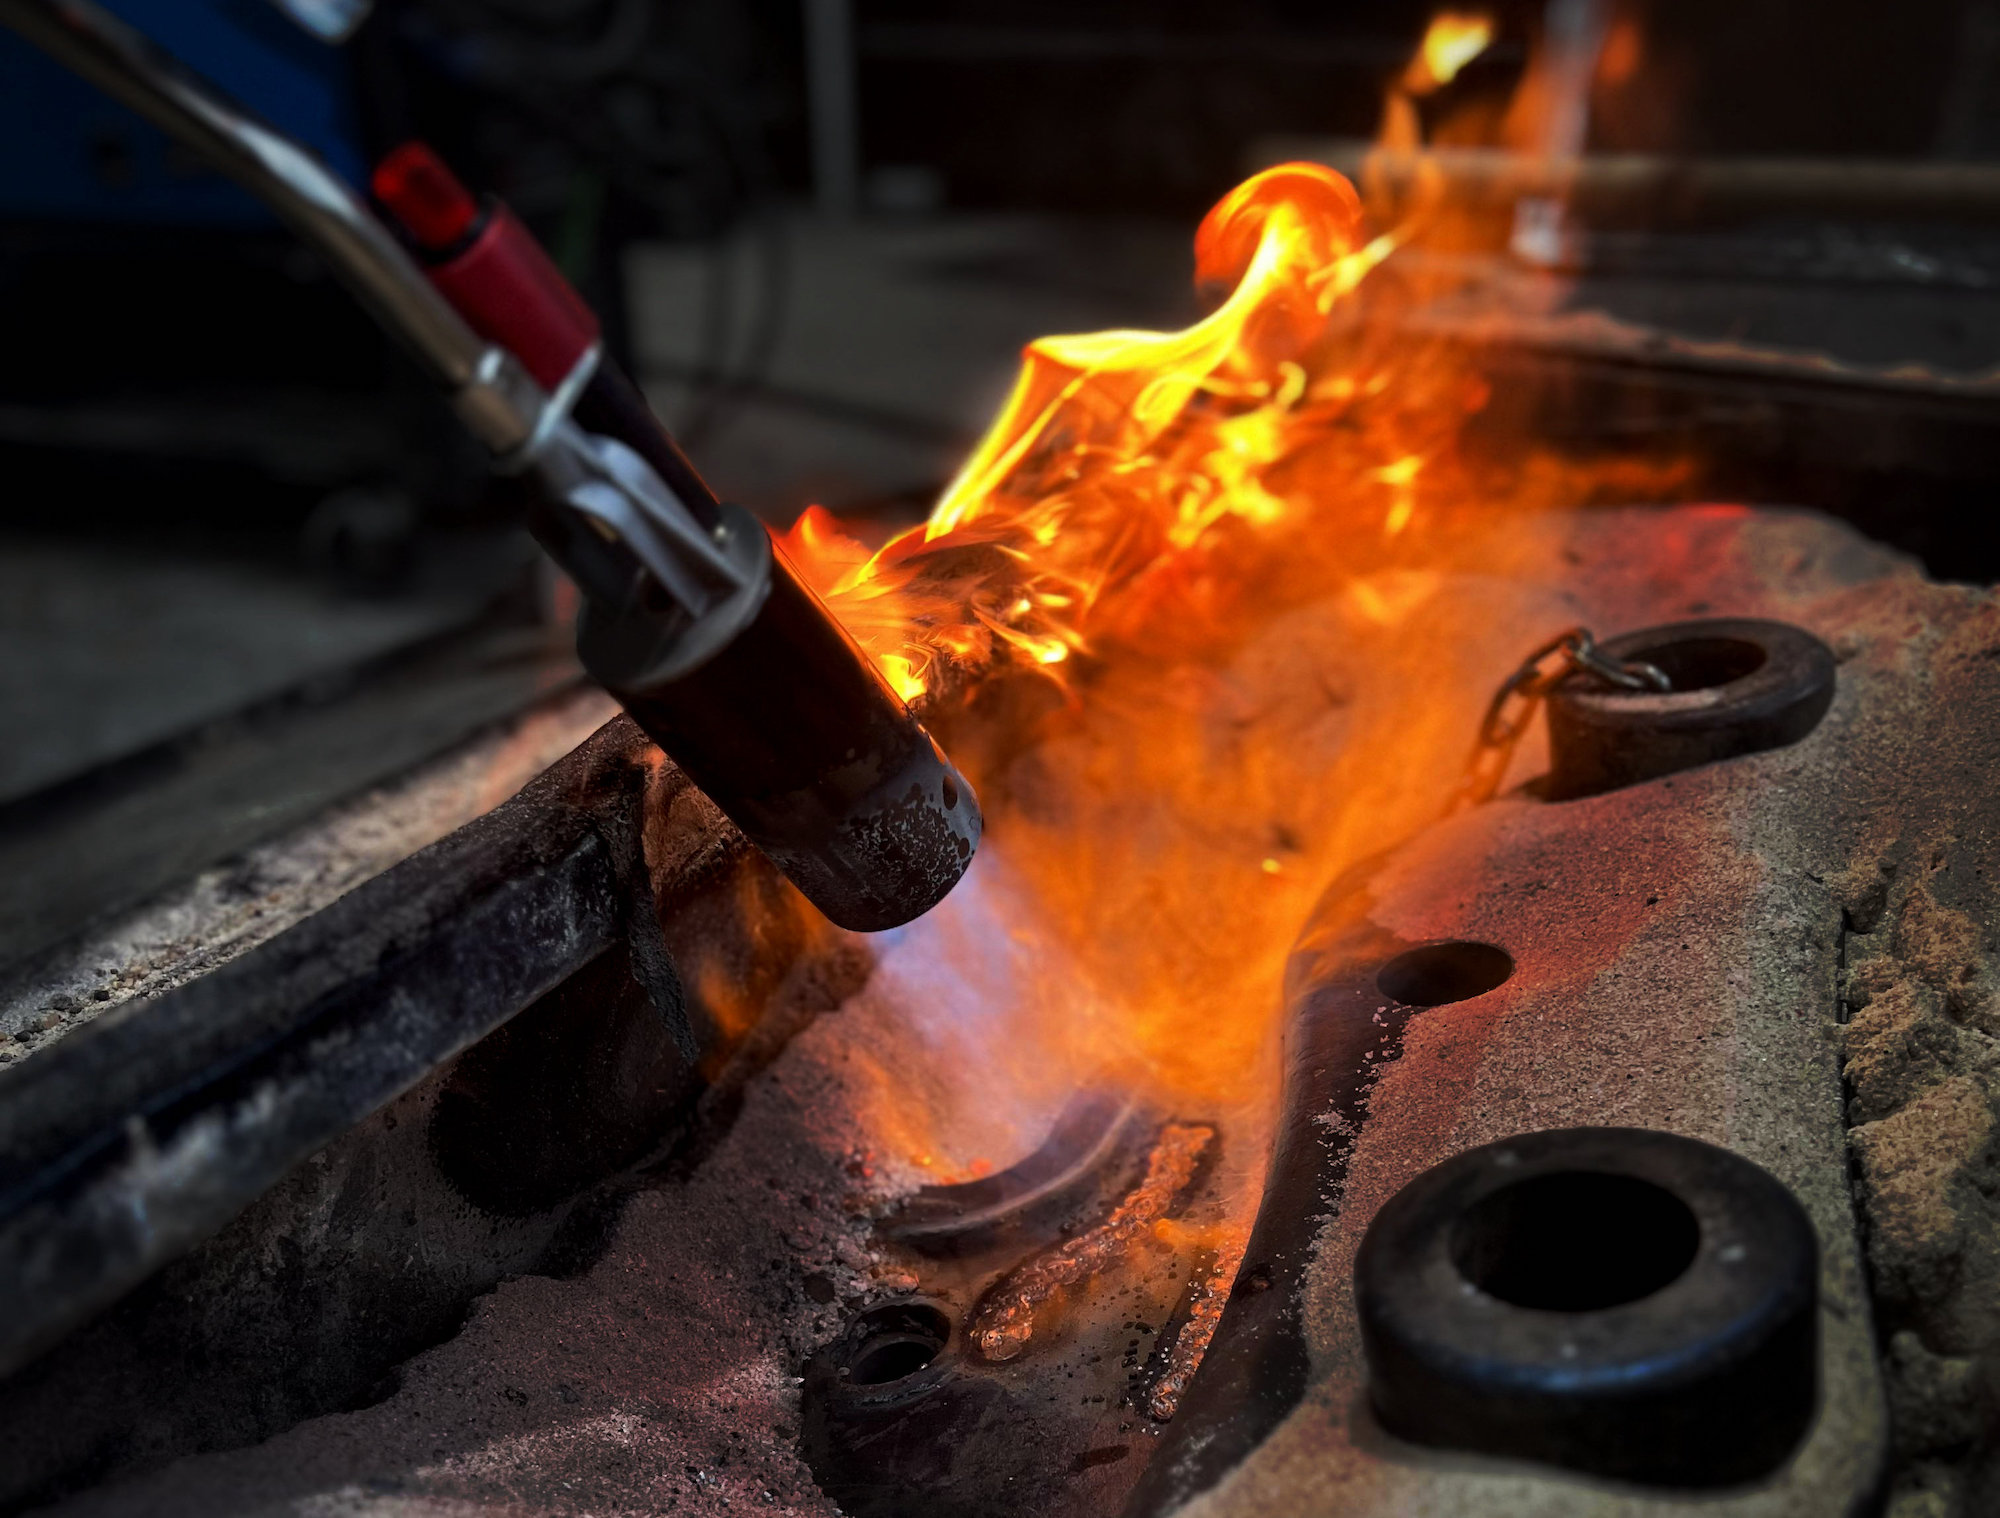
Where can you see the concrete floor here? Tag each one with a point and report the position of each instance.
(104, 652)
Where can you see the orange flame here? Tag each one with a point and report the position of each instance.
(1453, 39)
(1122, 458)
(1227, 545)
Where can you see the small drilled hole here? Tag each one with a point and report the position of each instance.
(892, 1343)
(1703, 663)
(1438, 973)
(1575, 1241)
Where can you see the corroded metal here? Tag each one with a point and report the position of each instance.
(1739, 685)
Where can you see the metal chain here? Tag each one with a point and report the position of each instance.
(1513, 707)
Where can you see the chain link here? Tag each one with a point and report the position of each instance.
(1513, 707)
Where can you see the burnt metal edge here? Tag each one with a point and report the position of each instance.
(1339, 1036)
(140, 1136)
(968, 1437)
(1023, 1202)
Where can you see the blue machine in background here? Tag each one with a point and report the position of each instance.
(174, 356)
(68, 154)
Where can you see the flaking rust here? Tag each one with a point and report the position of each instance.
(1005, 1321)
(1205, 1307)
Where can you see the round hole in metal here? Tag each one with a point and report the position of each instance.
(1703, 663)
(1575, 1241)
(893, 1343)
(1434, 974)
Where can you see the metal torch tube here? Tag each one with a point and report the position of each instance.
(612, 405)
(790, 729)
(498, 402)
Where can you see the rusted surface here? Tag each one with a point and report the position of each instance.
(1679, 948)
(1682, 947)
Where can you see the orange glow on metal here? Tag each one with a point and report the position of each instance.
(1193, 617)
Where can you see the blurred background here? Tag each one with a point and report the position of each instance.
(250, 566)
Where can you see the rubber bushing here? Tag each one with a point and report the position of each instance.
(1617, 1301)
(1740, 685)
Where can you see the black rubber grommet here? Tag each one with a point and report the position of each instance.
(1741, 685)
(1613, 1300)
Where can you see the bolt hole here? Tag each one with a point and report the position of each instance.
(1575, 1241)
(893, 1343)
(1703, 663)
(1438, 973)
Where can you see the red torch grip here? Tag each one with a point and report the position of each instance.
(513, 295)
(500, 281)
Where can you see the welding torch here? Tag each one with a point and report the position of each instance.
(692, 616)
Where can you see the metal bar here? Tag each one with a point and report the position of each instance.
(1573, 36)
(1664, 187)
(139, 1137)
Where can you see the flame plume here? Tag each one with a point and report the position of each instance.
(1121, 459)
(1452, 40)
(1230, 548)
